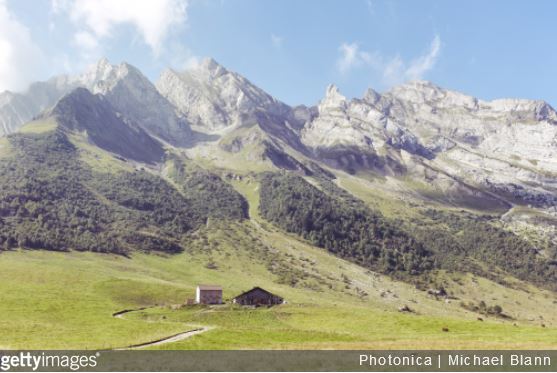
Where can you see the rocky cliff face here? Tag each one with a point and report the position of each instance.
(440, 137)
(507, 146)
(133, 95)
(213, 98)
(124, 86)
(353, 129)
(17, 109)
(424, 119)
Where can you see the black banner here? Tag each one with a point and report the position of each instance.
(265, 361)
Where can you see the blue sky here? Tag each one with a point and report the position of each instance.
(294, 48)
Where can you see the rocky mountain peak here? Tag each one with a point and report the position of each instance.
(418, 91)
(213, 98)
(333, 92)
(371, 96)
(424, 93)
(18, 108)
(333, 99)
(133, 95)
(102, 63)
(167, 76)
(210, 67)
(97, 72)
(544, 111)
(104, 76)
(536, 110)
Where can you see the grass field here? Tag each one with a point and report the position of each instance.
(66, 300)
(39, 126)
(312, 326)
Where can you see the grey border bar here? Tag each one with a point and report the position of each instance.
(303, 361)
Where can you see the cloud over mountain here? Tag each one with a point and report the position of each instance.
(391, 70)
(96, 20)
(19, 56)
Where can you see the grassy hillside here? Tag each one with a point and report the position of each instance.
(65, 300)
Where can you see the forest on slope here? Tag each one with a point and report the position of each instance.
(439, 240)
(51, 200)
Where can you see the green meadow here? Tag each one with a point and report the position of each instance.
(66, 300)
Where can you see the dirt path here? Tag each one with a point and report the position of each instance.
(170, 339)
(120, 314)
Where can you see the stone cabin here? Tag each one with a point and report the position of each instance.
(258, 297)
(208, 294)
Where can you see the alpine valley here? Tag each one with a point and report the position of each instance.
(415, 218)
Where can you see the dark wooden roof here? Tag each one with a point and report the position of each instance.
(257, 288)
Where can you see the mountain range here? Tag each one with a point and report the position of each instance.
(391, 181)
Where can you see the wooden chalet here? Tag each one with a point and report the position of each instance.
(258, 297)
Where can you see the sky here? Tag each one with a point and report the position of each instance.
(293, 49)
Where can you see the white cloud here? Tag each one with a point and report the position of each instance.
(20, 58)
(423, 64)
(393, 70)
(152, 19)
(58, 6)
(277, 40)
(350, 57)
(88, 46)
(86, 40)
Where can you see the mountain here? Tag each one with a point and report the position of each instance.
(133, 95)
(124, 86)
(351, 135)
(504, 146)
(213, 98)
(17, 109)
(244, 121)
(379, 166)
(500, 150)
(93, 116)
